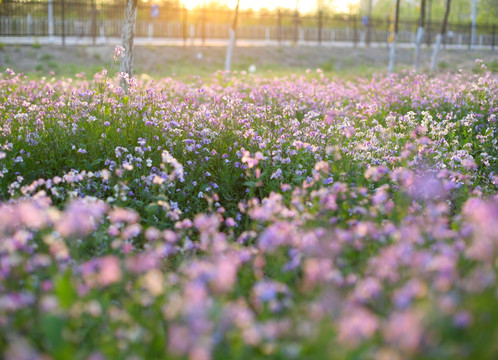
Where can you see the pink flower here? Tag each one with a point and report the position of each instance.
(276, 235)
(179, 340)
(230, 222)
(206, 223)
(109, 270)
(483, 216)
(226, 274)
(356, 325)
(367, 289)
(118, 52)
(404, 330)
(427, 188)
(121, 215)
(80, 218)
(317, 271)
(31, 215)
(376, 172)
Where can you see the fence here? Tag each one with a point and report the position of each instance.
(100, 20)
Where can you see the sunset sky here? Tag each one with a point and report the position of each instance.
(303, 5)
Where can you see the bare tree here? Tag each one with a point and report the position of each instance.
(440, 36)
(231, 43)
(369, 24)
(127, 35)
(473, 35)
(420, 35)
(395, 39)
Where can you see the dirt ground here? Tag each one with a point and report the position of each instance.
(195, 60)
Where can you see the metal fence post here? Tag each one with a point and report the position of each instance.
(320, 19)
(473, 26)
(470, 36)
(296, 20)
(279, 27)
(63, 24)
(369, 24)
(355, 31)
(29, 21)
(388, 31)
(184, 26)
(204, 25)
(493, 38)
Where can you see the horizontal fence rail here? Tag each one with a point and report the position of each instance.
(99, 21)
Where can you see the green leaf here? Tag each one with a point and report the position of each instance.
(97, 162)
(65, 291)
(52, 329)
(152, 209)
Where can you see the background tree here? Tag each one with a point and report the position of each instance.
(420, 35)
(461, 10)
(487, 11)
(440, 35)
(127, 35)
(394, 39)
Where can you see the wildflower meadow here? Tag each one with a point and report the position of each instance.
(240, 216)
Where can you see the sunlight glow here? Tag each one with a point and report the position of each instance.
(304, 6)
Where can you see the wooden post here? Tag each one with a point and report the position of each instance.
(94, 23)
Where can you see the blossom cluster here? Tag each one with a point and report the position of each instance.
(247, 217)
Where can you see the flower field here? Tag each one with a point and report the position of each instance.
(247, 217)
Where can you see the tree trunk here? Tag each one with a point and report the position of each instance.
(420, 35)
(369, 24)
(231, 42)
(51, 20)
(395, 40)
(440, 36)
(127, 35)
(392, 54)
(473, 35)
